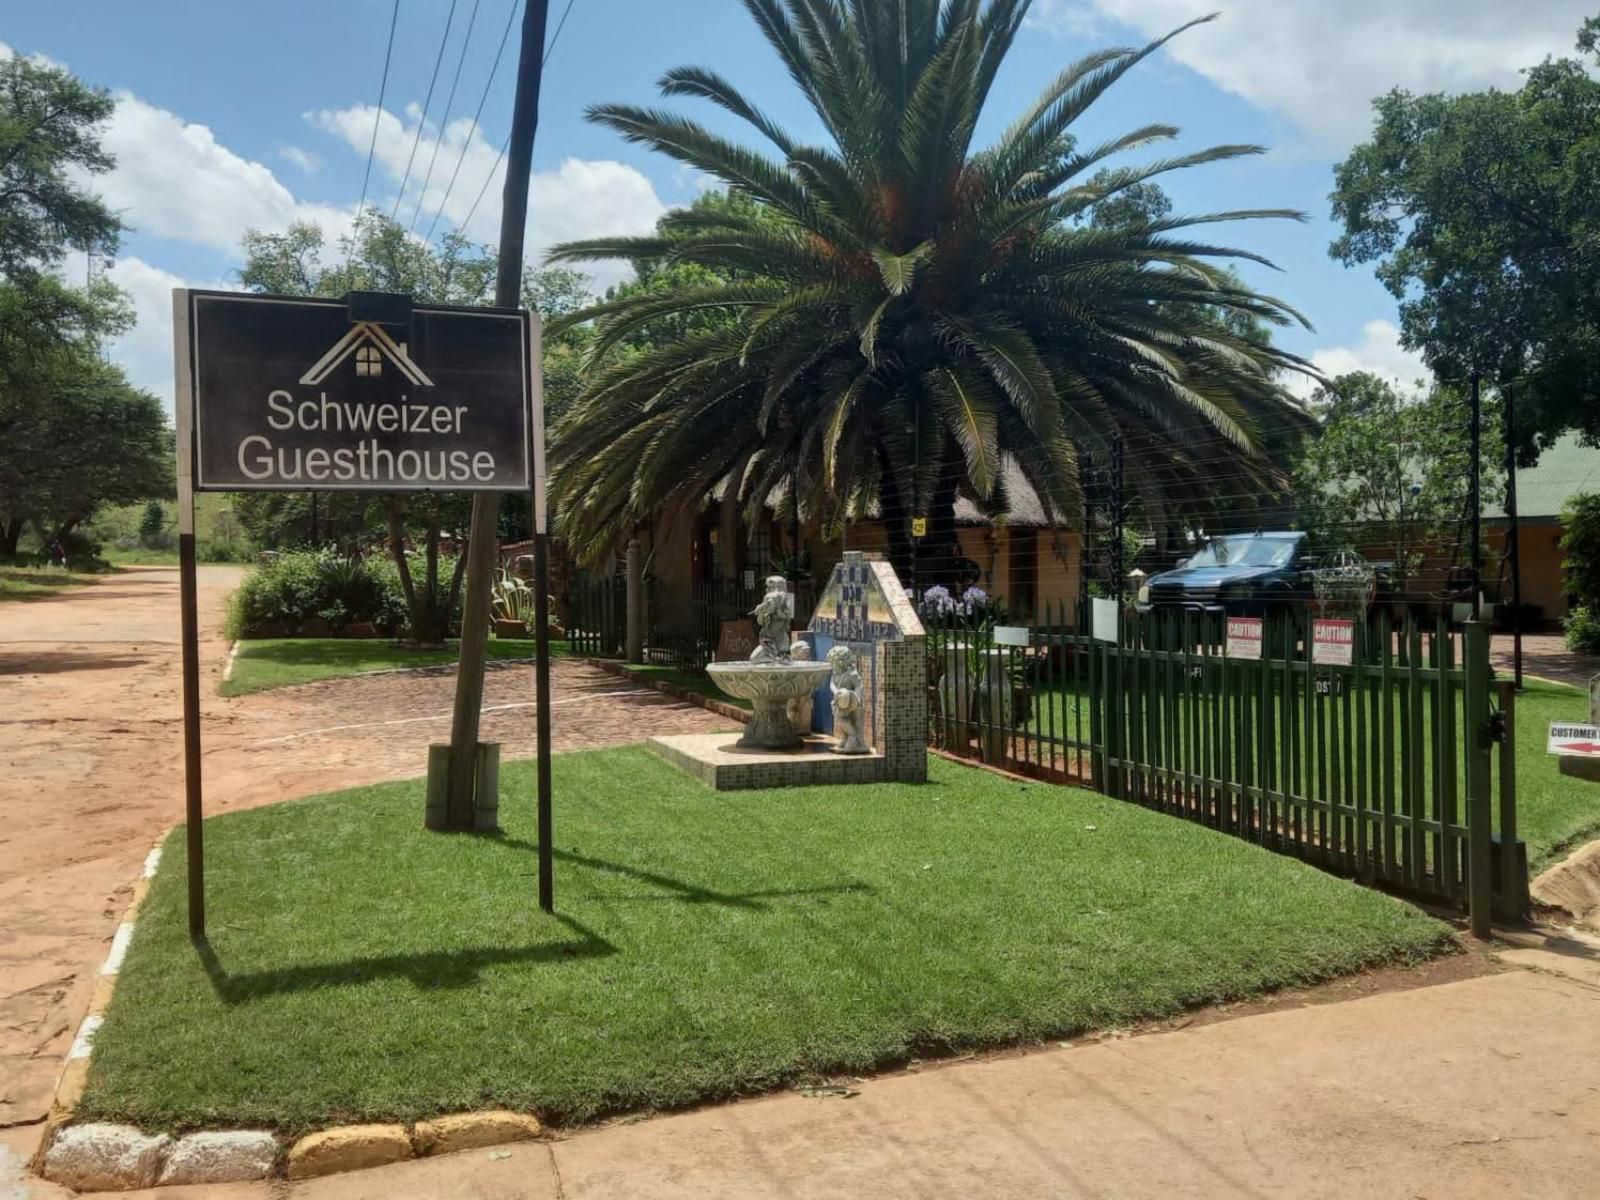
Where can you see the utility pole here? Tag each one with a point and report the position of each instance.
(1513, 534)
(1475, 495)
(481, 543)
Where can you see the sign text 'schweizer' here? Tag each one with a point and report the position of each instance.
(294, 394)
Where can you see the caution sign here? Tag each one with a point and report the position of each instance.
(1574, 741)
(1333, 642)
(1244, 637)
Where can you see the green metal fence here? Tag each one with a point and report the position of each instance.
(1383, 769)
(596, 610)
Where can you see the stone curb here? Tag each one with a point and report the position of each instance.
(102, 1156)
(732, 711)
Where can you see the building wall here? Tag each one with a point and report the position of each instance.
(1543, 578)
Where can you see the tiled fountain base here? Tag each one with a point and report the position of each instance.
(717, 760)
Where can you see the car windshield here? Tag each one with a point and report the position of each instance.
(1245, 552)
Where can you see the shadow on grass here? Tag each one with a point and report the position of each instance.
(687, 893)
(440, 970)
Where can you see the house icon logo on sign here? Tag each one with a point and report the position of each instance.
(370, 346)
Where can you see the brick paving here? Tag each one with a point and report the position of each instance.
(361, 729)
(1545, 655)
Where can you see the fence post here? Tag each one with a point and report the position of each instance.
(635, 601)
(1480, 833)
(1513, 867)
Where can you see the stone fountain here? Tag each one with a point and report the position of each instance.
(772, 680)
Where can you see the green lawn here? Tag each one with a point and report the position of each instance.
(278, 662)
(1554, 812)
(709, 945)
(689, 681)
(30, 583)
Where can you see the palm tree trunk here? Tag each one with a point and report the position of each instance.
(920, 563)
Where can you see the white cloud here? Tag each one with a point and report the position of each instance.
(1379, 352)
(145, 351)
(304, 159)
(174, 179)
(1321, 63)
(578, 199)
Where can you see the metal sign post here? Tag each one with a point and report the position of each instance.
(189, 606)
(368, 394)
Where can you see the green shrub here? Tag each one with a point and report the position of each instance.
(1582, 627)
(297, 585)
(1581, 546)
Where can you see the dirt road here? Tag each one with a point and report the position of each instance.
(91, 773)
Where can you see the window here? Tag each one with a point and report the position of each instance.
(369, 361)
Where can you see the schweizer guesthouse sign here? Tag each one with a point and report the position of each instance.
(368, 393)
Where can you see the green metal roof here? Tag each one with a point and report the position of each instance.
(1565, 470)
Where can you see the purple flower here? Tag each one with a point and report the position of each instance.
(938, 599)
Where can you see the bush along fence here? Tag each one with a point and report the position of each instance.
(1390, 762)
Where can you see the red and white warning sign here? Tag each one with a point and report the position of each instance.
(1574, 741)
(1244, 637)
(1333, 642)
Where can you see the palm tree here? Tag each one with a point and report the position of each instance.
(903, 315)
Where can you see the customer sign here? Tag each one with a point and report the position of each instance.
(369, 393)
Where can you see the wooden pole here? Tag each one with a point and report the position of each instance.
(481, 543)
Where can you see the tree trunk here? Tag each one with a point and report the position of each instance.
(921, 563)
(64, 530)
(10, 535)
(420, 608)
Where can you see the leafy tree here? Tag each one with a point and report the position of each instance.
(1482, 215)
(49, 139)
(152, 524)
(49, 332)
(897, 312)
(96, 440)
(1389, 473)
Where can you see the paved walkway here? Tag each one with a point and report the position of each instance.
(1487, 1087)
(1545, 655)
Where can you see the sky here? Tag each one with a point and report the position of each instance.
(233, 116)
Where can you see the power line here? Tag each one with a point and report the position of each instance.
(383, 86)
(499, 158)
(467, 141)
(444, 121)
(426, 103)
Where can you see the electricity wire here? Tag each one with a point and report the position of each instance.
(444, 121)
(505, 145)
(383, 86)
(466, 142)
(427, 102)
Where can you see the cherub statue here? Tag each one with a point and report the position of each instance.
(800, 706)
(774, 616)
(849, 708)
